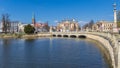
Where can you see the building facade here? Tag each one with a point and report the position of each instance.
(41, 27)
(11, 27)
(68, 26)
(1, 27)
(103, 26)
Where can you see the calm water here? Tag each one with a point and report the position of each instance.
(50, 53)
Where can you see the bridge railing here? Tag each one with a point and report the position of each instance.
(110, 37)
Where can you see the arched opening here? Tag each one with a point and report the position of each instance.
(54, 35)
(59, 35)
(82, 36)
(73, 36)
(65, 36)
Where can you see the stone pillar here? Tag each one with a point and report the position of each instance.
(115, 30)
(77, 27)
(50, 29)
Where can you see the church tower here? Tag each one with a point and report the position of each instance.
(33, 19)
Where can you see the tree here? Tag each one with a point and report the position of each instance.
(118, 24)
(118, 16)
(85, 26)
(6, 23)
(91, 23)
(28, 29)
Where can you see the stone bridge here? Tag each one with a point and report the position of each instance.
(109, 41)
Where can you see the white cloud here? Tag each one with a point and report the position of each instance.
(56, 21)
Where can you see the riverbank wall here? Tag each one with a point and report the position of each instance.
(106, 44)
(30, 36)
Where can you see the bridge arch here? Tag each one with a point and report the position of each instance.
(73, 36)
(59, 35)
(65, 36)
(82, 36)
(54, 35)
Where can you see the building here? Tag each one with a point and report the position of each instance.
(21, 27)
(11, 27)
(68, 26)
(41, 27)
(103, 26)
(14, 26)
(1, 27)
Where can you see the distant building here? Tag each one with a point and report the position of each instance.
(10, 27)
(53, 29)
(41, 27)
(1, 27)
(14, 26)
(103, 26)
(21, 27)
(68, 26)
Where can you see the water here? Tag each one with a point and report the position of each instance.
(50, 53)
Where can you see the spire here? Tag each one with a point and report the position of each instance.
(33, 19)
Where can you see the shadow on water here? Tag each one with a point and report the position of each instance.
(29, 41)
(103, 52)
(6, 41)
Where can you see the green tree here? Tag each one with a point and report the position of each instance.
(118, 16)
(28, 29)
(118, 19)
(118, 24)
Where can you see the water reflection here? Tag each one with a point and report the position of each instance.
(50, 53)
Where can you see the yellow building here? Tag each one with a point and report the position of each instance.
(103, 26)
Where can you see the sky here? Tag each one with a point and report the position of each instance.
(52, 11)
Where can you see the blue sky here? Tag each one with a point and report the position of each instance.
(57, 10)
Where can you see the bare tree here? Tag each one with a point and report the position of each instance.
(5, 23)
(90, 24)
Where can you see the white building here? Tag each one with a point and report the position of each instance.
(21, 27)
(0, 26)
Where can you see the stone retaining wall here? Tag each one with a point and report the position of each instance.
(106, 45)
